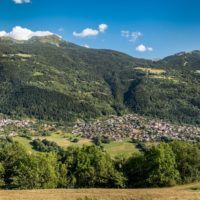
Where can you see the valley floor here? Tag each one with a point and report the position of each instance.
(189, 192)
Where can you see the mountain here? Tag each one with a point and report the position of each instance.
(183, 60)
(51, 79)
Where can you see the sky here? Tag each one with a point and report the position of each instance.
(141, 28)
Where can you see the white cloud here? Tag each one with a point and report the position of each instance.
(86, 46)
(103, 28)
(19, 33)
(3, 33)
(89, 32)
(132, 36)
(125, 34)
(143, 48)
(21, 1)
(150, 49)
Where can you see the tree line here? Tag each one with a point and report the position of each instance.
(159, 165)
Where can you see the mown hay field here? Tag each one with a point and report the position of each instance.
(189, 192)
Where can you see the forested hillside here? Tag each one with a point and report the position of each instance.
(51, 79)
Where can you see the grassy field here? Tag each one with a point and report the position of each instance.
(114, 148)
(177, 193)
(151, 70)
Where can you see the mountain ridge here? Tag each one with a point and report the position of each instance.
(60, 39)
(52, 79)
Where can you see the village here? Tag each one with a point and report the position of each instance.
(116, 128)
(136, 128)
(14, 126)
(18, 123)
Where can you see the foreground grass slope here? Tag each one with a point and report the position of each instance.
(177, 193)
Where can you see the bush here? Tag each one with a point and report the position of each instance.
(45, 146)
(74, 140)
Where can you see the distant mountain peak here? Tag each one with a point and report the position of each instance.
(51, 39)
(196, 51)
(180, 53)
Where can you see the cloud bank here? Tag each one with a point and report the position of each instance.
(89, 32)
(19, 33)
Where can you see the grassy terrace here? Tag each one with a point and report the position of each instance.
(177, 193)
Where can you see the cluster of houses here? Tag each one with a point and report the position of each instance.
(137, 128)
(15, 123)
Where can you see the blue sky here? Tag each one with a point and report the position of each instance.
(141, 28)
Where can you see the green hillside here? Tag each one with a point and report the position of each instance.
(50, 79)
